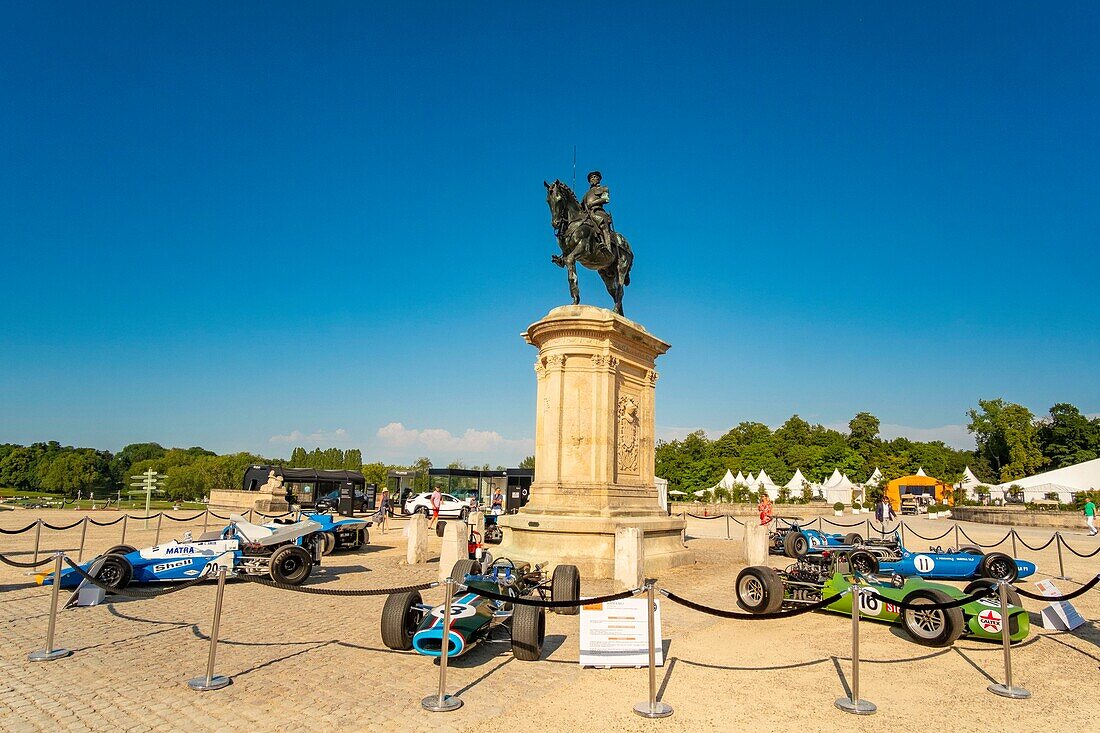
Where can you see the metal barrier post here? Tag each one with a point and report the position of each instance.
(1014, 544)
(867, 528)
(160, 518)
(901, 529)
(37, 536)
(125, 520)
(727, 526)
(83, 535)
(1061, 569)
(49, 653)
(442, 702)
(652, 708)
(957, 545)
(212, 681)
(205, 519)
(1007, 690)
(250, 515)
(819, 529)
(853, 704)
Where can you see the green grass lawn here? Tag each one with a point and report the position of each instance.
(19, 497)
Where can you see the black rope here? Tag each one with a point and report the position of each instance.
(18, 564)
(713, 516)
(551, 604)
(1067, 597)
(979, 544)
(274, 516)
(1079, 554)
(929, 606)
(929, 539)
(722, 613)
(218, 516)
(1035, 549)
(19, 531)
(183, 519)
(63, 528)
(837, 524)
(730, 516)
(151, 516)
(337, 591)
(106, 524)
(68, 503)
(134, 592)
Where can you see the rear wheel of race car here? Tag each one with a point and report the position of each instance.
(863, 562)
(971, 550)
(326, 541)
(364, 537)
(290, 565)
(795, 545)
(439, 528)
(493, 535)
(464, 514)
(400, 619)
(462, 568)
(932, 627)
(528, 632)
(998, 566)
(853, 538)
(989, 586)
(120, 550)
(425, 511)
(116, 572)
(759, 590)
(565, 585)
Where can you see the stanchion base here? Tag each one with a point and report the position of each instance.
(433, 703)
(202, 684)
(1016, 693)
(1062, 577)
(656, 710)
(855, 707)
(44, 656)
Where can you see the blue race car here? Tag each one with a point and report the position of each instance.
(335, 534)
(965, 563)
(286, 554)
(793, 540)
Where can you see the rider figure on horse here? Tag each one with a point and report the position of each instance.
(593, 203)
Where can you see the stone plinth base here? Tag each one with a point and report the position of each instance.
(589, 542)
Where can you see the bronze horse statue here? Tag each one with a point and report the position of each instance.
(580, 241)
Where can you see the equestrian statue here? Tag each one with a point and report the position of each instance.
(586, 235)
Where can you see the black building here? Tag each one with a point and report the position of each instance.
(310, 484)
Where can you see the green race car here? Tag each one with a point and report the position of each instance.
(761, 589)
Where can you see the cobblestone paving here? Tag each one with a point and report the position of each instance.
(317, 662)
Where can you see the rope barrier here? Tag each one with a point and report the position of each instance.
(730, 516)
(1035, 549)
(28, 528)
(151, 516)
(274, 516)
(135, 592)
(1079, 554)
(552, 604)
(722, 613)
(183, 519)
(928, 539)
(713, 516)
(218, 516)
(1067, 597)
(77, 523)
(337, 591)
(837, 524)
(106, 524)
(979, 544)
(18, 564)
(958, 602)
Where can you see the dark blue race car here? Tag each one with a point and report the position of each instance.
(965, 563)
(793, 540)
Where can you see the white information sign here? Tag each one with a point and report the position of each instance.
(616, 634)
(1060, 615)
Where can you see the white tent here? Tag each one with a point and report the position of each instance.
(726, 482)
(838, 488)
(874, 479)
(970, 483)
(920, 472)
(740, 479)
(764, 483)
(750, 481)
(796, 482)
(1061, 481)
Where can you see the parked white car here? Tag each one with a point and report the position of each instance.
(448, 507)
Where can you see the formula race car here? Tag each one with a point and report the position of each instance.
(285, 553)
(761, 589)
(335, 534)
(967, 562)
(409, 623)
(793, 540)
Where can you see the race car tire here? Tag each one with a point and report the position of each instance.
(939, 627)
(116, 572)
(464, 514)
(853, 538)
(439, 528)
(400, 619)
(565, 585)
(494, 535)
(982, 585)
(998, 566)
(364, 537)
(464, 567)
(795, 545)
(120, 550)
(425, 511)
(290, 565)
(759, 589)
(528, 632)
(971, 550)
(326, 541)
(863, 562)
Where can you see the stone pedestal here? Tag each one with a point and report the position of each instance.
(453, 549)
(756, 543)
(417, 551)
(594, 447)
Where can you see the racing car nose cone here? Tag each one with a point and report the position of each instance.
(430, 643)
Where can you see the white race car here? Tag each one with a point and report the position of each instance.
(448, 507)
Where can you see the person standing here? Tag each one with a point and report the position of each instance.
(497, 506)
(765, 508)
(384, 510)
(1090, 516)
(436, 502)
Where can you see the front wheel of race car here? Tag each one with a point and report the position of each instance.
(120, 550)
(989, 587)
(464, 567)
(290, 565)
(326, 541)
(936, 626)
(795, 545)
(759, 590)
(528, 632)
(400, 619)
(565, 585)
(115, 572)
(971, 550)
(998, 566)
(863, 562)
(853, 538)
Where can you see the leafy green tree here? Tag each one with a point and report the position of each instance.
(1067, 437)
(376, 473)
(528, 462)
(863, 433)
(298, 458)
(1006, 436)
(17, 468)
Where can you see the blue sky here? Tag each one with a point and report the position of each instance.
(249, 226)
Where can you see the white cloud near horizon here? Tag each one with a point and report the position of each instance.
(396, 435)
(317, 438)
